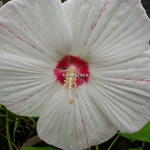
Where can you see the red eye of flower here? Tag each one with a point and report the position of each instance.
(71, 71)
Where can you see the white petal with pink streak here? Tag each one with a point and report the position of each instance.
(26, 85)
(77, 126)
(35, 29)
(106, 32)
(123, 92)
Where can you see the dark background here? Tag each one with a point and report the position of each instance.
(146, 4)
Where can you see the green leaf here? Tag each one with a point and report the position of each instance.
(40, 148)
(142, 135)
(30, 142)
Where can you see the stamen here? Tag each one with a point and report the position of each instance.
(70, 83)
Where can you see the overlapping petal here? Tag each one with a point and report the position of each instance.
(76, 126)
(26, 85)
(122, 92)
(108, 31)
(35, 29)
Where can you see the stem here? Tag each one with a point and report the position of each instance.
(97, 148)
(113, 142)
(143, 144)
(8, 132)
(0, 106)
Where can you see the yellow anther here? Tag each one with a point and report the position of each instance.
(71, 101)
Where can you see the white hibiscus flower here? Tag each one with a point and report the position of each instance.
(82, 66)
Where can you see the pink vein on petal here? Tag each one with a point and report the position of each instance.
(84, 127)
(108, 21)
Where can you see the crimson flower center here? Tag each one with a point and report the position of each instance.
(72, 72)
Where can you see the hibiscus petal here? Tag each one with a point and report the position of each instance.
(26, 85)
(76, 126)
(122, 92)
(36, 29)
(108, 31)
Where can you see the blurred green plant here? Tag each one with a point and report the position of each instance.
(14, 129)
(41, 148)
(63, 1)
(142, 135)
